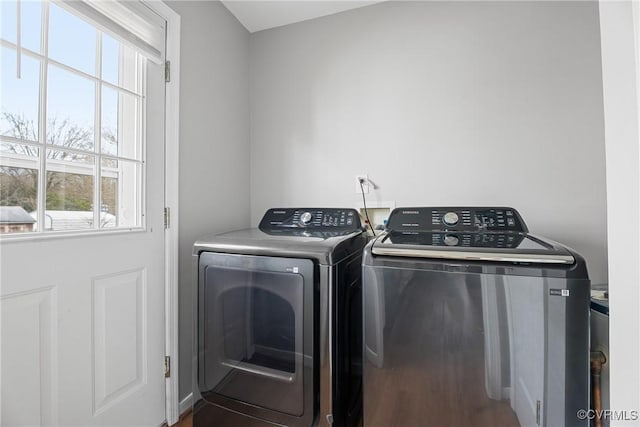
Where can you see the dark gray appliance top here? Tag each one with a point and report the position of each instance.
(469, 236)
(310, 220)
(327, 235)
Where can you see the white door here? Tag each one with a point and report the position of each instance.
(82, 312)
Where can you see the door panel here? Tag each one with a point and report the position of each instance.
(28, 339)
(119, 341)
(83, 317)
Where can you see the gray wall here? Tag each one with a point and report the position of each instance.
(441, 104)
(214, 142)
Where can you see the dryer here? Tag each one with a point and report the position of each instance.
(279, 321)
(471, 320)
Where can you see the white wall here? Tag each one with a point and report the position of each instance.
(623, 202)
(214, 142)
(441, 104)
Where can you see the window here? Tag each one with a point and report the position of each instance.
(71, 121)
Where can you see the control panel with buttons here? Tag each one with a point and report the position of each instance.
(496, 219)
(311, 219)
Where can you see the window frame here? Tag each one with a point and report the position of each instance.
(43, 165)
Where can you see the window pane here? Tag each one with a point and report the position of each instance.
(109, 134)
(120, 112)
(31, 17)
(109, 205)
(70, 110)
(69, 190)
(8, 12)
(10, 150)
(18, 199)
(63, 161)
(20, 97)
(31, 14)
(19, 155)
(69, 171)
(119, 64)
(71, 40)
(121, 195)
(110, 53)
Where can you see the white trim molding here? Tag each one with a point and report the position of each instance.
(622, 145)
(186, 403)
(172, 132)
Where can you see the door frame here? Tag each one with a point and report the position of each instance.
(619, 38)
(171, 186)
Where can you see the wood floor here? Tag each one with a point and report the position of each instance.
(185, 421)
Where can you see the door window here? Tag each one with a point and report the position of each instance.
(71, 123)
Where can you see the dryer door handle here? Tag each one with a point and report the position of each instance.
(273, 374)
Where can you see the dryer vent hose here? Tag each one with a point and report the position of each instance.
(597, 360)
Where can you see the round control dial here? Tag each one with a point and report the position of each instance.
(451, 240)
(306, 217)
(450, 218)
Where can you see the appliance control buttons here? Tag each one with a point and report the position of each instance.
(306, 217)
(450, 218)
(451, 240)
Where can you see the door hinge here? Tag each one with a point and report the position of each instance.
(167, 71)
(538, 412)
(167, 366)
(167, 217)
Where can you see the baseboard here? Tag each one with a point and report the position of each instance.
(506, 393)
(186, 404)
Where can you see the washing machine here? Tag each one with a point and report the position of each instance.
(470, 320)
(279, 321)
